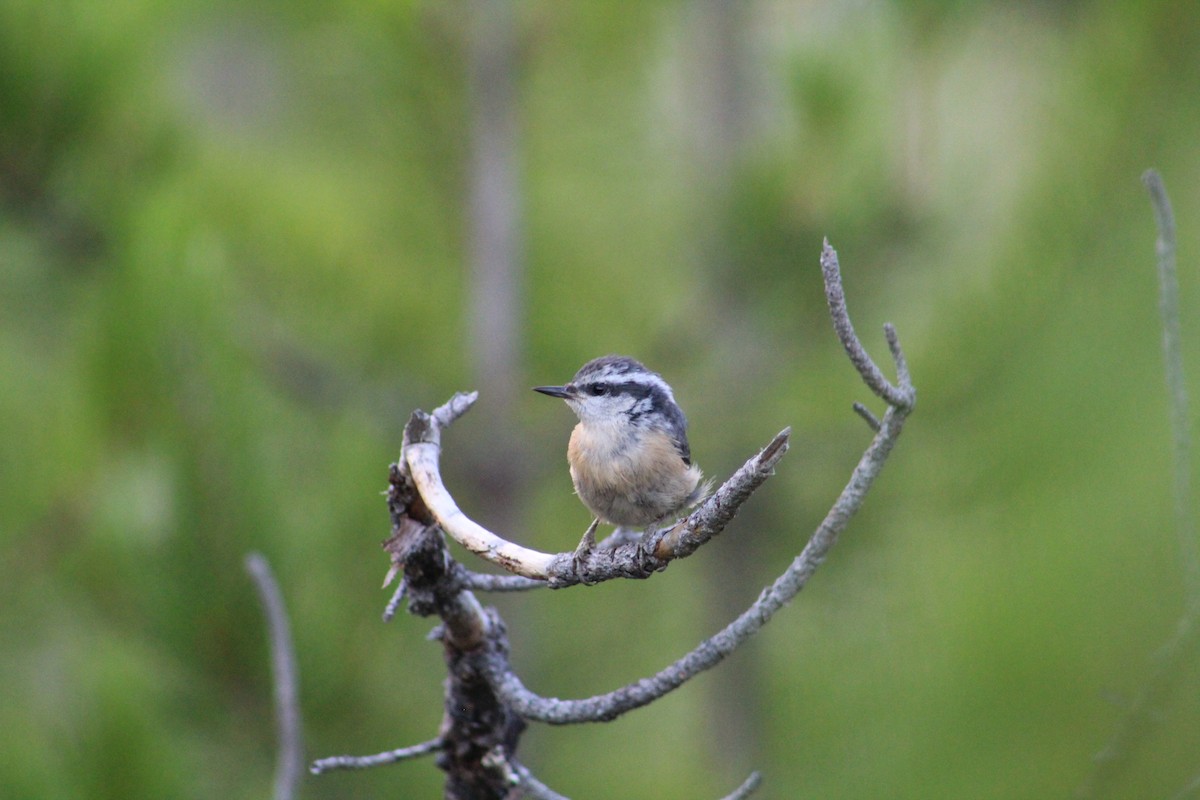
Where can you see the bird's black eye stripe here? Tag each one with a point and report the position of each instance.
(635, 389)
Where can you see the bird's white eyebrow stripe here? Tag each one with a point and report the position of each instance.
(618, 370)
(618, 378)
(610, 375)
(646, 383)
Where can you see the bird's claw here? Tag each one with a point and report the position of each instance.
(645, 555)
(586, 545)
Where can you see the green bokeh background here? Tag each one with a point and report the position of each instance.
(233, 259)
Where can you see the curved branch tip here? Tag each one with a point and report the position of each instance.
(902, 396)
(905, 395)
(748, 787)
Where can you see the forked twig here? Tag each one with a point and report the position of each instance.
(902, 395)
(900, 399)
(487, 706)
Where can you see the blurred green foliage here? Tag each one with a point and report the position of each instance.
(232, 260)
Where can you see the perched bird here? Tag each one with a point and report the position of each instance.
(629, 455)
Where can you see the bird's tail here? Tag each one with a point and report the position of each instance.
(699, 494)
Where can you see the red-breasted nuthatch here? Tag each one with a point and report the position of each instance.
(629, 455)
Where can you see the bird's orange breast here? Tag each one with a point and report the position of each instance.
(627, 479)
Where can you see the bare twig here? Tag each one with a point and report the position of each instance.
(1166, 662)
(482, 582)
(748, 787)
(531, 787)
(712, 651)
(864, 412)
(1181, 433)
(378, 760)
(711, 517)
(288, 767)
(389, 611)
(454, 408)
(902, 396)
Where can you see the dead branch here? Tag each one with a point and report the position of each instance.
(482, 582)
(633, 559)
(420, 454)
(713, 650)
(486, 705)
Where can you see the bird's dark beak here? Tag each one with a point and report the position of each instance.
(554, 391)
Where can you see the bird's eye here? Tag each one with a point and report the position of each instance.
(598, 389)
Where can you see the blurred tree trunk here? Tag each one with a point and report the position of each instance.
(495, 255)
(719, 94)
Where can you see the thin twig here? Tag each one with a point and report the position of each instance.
(482, 582)
(378, 760)
(715, 513)
(748, 787)
(1166, 662)
(712, 651)
(476, 645)
(530, 786)
(864, 412)
(288, 768)
(902, 375)
(454, 408)
(533, 788)
(901, 396)
(1181, 434)
(389, 611)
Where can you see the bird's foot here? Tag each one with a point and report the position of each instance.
(645, 553)
(586, 545)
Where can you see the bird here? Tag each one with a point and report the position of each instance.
(629, 456)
